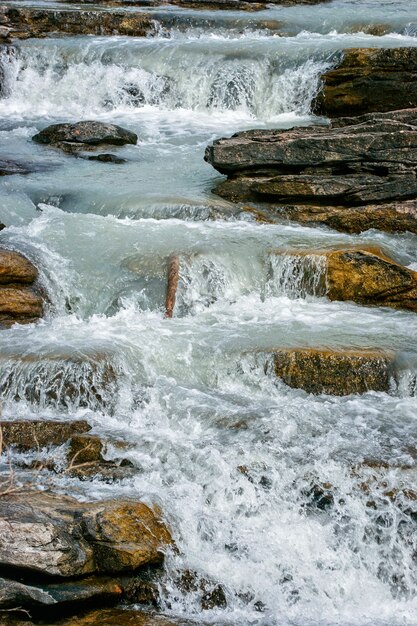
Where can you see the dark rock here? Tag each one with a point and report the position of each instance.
(211, 594)
(2, 226)
(8, 168)
(370, 79)
(35, 434)
(14, 594)
(335, 373)
(89, 132)
(59, 536)
(107, 158)
(367, 165)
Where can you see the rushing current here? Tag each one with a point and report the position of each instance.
(231, 454)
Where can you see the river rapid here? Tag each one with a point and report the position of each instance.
(228, 451)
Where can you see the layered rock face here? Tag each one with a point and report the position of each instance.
(20, 297)
(369, 80)
(319, 173)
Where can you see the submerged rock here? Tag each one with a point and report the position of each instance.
(89, 132)
(356, 174)
(370, 79)
(363, 275)
(333, 372)
(59, 536)
(107, 158)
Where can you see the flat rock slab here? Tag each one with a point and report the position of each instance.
(370, 79)
(334, 373)
(363, 275)
(26, 435)
(89, 132)
(59, 536)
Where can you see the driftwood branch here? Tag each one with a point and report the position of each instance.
(173, 274)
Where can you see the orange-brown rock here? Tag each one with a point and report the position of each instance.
(34, 434)
(15, 268)
(366, 276)
(20, 299)
(370, 79)
(335, 373)
(391, 217)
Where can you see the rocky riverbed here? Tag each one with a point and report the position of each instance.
(208, 295)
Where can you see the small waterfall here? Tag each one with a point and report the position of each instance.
(60, 383)
(92, 80)
(296, 276)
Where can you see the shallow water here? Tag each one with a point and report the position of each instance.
(229, 452)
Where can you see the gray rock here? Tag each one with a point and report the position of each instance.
(89, 132)
(14, 594)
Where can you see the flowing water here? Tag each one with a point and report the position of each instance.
(230, 453)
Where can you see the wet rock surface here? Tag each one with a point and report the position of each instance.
(27, 22)
(365, 276)
(318, 173)
(59, 536)
(370, 80)
(332, 372)
(26, 435)
(20, 296)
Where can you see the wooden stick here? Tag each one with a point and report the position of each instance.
(173, 274)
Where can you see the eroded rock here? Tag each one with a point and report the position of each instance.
(332, 372)
(59, 536)
(370, 79)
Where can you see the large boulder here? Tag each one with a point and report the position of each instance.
(362, 275)
(20, 296)
(89, 133)
(355, 174)
(59, 536)
(370, 79)
(337, 373)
